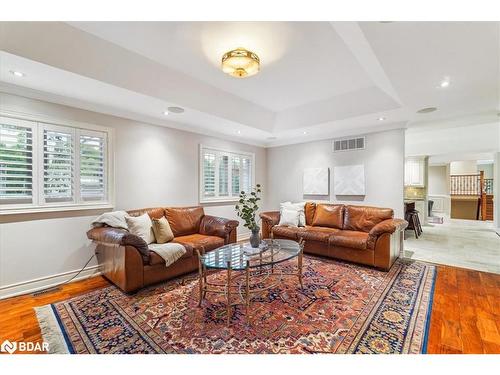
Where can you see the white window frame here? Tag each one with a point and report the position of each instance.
(38, 123)
(220, 152)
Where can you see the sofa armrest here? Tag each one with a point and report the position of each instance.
(271, 217)
(269, 220)
(217, 226)
(119, 237)
(386, 226)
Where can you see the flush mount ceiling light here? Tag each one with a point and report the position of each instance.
(240, 63)
(381, 119)
(17, 73)
(427, 110)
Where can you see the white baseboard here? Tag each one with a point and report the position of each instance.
(34, 285)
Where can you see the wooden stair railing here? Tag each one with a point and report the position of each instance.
(474, 185)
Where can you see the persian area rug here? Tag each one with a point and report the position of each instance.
(343, 308)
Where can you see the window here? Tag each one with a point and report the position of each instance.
(51, 167)
(224, 174)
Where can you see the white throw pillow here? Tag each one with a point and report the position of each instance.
(141, 226)
(299, 207)
(289, 217)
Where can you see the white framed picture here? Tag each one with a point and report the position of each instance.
(349, 180)
(316, 181)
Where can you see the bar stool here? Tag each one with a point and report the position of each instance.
(413, 222)
(411, 216)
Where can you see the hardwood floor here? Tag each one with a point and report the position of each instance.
(465, 311)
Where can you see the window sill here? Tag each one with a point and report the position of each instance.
(219, 200)
(35, 210)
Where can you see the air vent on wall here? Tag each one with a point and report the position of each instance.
(349, 144)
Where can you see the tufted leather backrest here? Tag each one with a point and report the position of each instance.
(364, 218)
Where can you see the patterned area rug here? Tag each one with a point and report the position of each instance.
(343, 308)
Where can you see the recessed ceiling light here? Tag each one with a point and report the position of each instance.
(304, 133)
(427, 110)
(165, 113)
(175, 109)
(445, 83)
(381, 119)
(17, 73)
(238, 131)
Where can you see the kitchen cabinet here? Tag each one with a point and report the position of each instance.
(415, 172)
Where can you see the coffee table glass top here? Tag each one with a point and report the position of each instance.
(239, 255)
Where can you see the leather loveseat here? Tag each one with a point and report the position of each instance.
(129, 264)
(360, 234)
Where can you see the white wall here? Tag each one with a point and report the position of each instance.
(438, 180)
(463, 167)
(383, 159)
(457, 140)
(439, 188)
(488, 169)
(154, 166)
(496, 192)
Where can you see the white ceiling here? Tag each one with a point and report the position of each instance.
(195, 48)
(318, 79)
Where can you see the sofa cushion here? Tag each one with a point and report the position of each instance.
(201, 242)
(364, 218)
(287, 232)
(309, 209)
(320, 234)
(350, 239)
(155, 259)
(162, 231)
(184, 220)
(329, 215)
(289, 217)
(141, 226)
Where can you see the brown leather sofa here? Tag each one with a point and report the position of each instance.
(129, 264)
(360, 234)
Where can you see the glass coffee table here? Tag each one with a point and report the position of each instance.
(256, 266)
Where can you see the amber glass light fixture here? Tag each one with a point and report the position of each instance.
(240, 63)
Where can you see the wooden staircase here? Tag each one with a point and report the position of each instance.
(473, 188)
(488, 207)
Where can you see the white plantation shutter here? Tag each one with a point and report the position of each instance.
(92, 164)
(208, 175)
(224, 174)
(46, 166)
(16, 162)
(58, 165)
(246, 173)
(235, 174)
